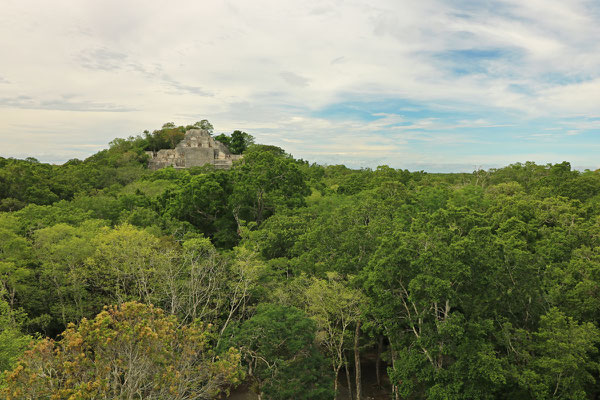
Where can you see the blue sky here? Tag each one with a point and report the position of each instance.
(432, 85)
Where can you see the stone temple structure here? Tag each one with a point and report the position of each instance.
(198, 148)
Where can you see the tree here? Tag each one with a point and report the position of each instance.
(203, 284)
(194, 287)
(574, 287)
(265, 180)
(125, 352)
(13, 342)
(278, 345)
(555, 361)
(165, 138)
(62, 250)
(335, 307)
(202, 201)
(240, 141)
(15, 255)
(225, 139)
(425, 291)
(128, 264)
(205, 125)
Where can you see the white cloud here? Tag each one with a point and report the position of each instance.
(266, 66)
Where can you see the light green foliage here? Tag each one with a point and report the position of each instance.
(15, 254)
(210, 286)
(336, 308)
(35, 217)
(63, 251)
(204, 124)
(13, 341)
(127, 264)
(150, 188)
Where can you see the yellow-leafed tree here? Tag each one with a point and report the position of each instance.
(128, 351)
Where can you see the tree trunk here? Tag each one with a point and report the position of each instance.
(394, 386)
(335, 382)
(357, 362)
(378, 360)
(348, 380)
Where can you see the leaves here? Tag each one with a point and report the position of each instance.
(278, 343)
(472, 286)
(127, 351)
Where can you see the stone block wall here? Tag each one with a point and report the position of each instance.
(198, 148)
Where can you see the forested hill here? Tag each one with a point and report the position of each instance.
(296, 280)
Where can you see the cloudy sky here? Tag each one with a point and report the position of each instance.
(428, 84)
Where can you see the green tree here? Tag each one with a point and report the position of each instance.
(240, 141)
(237, 142)
(128, 264)
(555, 362)
(278, 345)
(264, 181)
(335, 307)
(205, 125)
(225, 139)
(13, 342)
(425, 293)
(574, 288)
(203, 201)
(62, 251)
(15, 256)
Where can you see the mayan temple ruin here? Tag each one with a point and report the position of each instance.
(198, 148)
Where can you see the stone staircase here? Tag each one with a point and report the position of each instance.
(222, 164)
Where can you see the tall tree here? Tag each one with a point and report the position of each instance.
(278, 344)
(126, 352)
(336, 308)
(265, 180)
(13, 342)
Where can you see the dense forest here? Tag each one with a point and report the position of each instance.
(295, 280)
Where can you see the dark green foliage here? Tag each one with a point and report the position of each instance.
(237, 142)
(279, 342)
(168, 136)
(267, 179)
(201, 200)
(223, 138)
(165, 138)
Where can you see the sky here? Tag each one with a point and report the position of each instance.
(440, 86)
